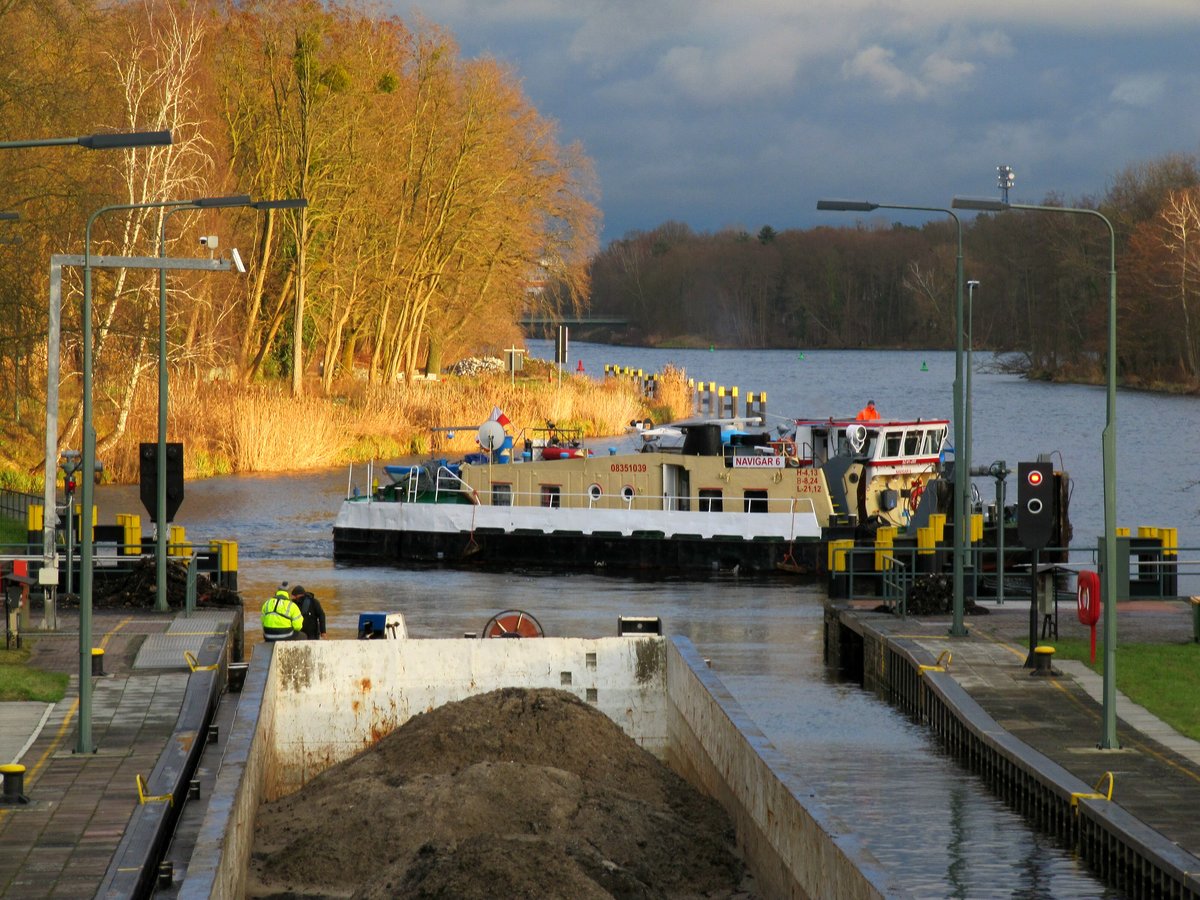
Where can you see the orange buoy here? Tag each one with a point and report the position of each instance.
(579, 368)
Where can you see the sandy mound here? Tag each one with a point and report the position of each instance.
(514, 793)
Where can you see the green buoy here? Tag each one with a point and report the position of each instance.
(712, 347)
(801, 356)
(924, 368)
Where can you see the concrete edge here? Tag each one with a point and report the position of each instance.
(133, 868)
(221, 856)
(774, 838)
(1107, 816)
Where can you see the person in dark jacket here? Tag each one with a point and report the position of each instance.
(310, 608)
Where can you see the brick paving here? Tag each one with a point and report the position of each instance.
(61, 843)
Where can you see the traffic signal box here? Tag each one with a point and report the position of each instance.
(1036, 505)
(148, 481)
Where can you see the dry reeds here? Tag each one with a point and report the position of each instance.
(226, 427)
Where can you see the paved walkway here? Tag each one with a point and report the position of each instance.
(61, 843)
(1156, 771)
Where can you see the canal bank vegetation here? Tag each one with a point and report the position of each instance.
(441, 207)
(1162, 678)
(869, 281)
(21, 681)
(226, 427)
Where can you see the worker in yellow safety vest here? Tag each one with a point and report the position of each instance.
(282, 619)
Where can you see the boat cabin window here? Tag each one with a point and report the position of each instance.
(891, 443)
(551, 496)
(756, 501)
(502, 495)
(933, 442)
(912, 442)
(710, 500)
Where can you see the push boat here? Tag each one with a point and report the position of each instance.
(732, 495)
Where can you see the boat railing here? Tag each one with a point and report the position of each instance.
(446, 481)
(629, 499)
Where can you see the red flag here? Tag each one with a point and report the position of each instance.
(498, 416)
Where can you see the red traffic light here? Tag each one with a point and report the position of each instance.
(70, 485)
(1034, 477)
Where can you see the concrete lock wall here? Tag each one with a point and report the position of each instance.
(332, 704)
(794, 848)
(316, 704)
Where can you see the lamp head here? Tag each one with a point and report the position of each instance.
(125, 141)
(847, 205)
(291, 203)
(979, 204)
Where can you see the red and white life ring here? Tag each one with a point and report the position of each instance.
(1087, 598)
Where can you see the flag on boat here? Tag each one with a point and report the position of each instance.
(498, 416)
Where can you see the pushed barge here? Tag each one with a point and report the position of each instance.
(731, 497)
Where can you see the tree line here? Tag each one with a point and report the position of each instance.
(1043, 293)
(434, 189)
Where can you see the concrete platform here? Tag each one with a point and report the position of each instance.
(1155, 770)
(82, 806)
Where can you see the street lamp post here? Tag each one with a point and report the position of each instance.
(968, 434)
(961, 475)
(160, 533)
(1108, 445)
(87, 489)
(160, 529)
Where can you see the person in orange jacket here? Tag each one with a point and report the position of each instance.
(868, 413)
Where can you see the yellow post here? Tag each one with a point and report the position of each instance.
(926, 539)
(34, 517)
(937, 522)
(976, 527)
(884, 541)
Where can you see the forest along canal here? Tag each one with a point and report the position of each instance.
(930, 822)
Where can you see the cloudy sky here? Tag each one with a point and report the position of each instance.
(744, 113)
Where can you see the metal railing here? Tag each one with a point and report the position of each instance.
(1154, 573)
(15, 504)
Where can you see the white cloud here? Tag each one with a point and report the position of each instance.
(1140, 90)
(877, 65)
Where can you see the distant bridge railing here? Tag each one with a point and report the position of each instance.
(577, 321)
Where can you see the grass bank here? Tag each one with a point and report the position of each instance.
(20, 681)
(1162, 678)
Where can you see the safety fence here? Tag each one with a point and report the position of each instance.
(1150, 565)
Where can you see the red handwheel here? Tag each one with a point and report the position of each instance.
(513, 623)
(1087, 598)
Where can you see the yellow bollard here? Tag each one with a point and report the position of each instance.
(937, 522)
(976, 528)
(884, 541)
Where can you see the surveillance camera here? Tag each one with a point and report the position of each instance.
(209, 240)
(237, 261)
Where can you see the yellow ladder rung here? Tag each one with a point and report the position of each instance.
(144, 798)
(194, 664)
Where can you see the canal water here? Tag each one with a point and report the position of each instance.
(933, 825)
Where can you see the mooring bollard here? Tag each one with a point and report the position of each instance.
(97, 660)
(14, 784)
(1043, 659)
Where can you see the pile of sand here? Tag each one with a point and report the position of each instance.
(514, 793)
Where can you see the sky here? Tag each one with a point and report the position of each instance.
(743, 113)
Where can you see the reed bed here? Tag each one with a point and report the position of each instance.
(227, 428)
